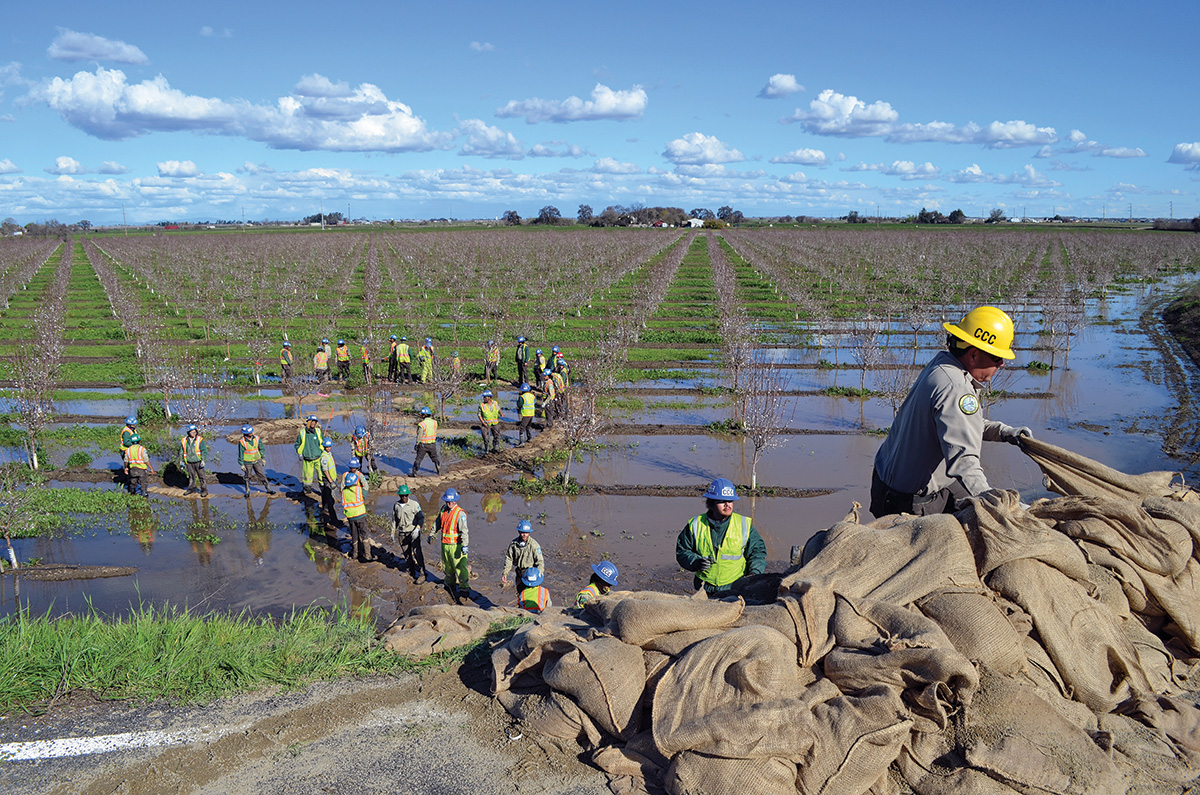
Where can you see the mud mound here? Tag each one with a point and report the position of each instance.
(1000, 650)
(61, 572)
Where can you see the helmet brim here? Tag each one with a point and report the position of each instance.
(995, 350)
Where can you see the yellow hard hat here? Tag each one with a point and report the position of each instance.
(986, 328)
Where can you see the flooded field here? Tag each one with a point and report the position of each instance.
(1117, 402)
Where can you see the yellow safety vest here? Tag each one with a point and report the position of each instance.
(328, 467)
(536, 598)
(493, 356)
(353, 505)
(365, 355)
(587, 594)
(359, 446)
(321, 360)
(548, 388)
(136, 457)
(449, 523)
(528, 401)
(428, 430)
(557, 378)
(343, 353)
(285, 356)
(250, 451)
(490, 412)
(402, 352)
(126, 432)
(729, 562)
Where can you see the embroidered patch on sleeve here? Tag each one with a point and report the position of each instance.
(968, 404)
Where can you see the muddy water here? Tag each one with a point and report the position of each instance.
(1113, 403)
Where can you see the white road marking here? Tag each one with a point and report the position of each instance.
(101, 744)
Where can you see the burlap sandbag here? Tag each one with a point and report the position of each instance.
(1179, 597)
(605, 677)
(637, 621)
(977, 627)
(1176, 509)
(899, 564)
(519, 662)
(675, 643)
(857, 739)
(696, 774)
(425, 630)
(884, 644)
(1072, 474)
(638, 758)
(552, 714)
(1090, 651)
(736, 695)
(1161, 548)
(1127, 575)
(1000, 530)
(803, 616)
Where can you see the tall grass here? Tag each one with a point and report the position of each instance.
(169, 653)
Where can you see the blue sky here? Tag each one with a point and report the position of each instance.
(465, 110)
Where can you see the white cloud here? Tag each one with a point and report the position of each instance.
(177, 168)
(1027, 176)
(483, 140)
(105, 105)
(66, 165)
(482, 46)
(1185, 153)
(905, 169)
(1121, 151)
(1076, 137)
(698, 149)
(111, 167)
(316, 85)
(607, 165)
(780, 85)
(803, 157)
(558, 149)
(604, 104)
(207, 31)
(255, 168)
(716, 171)
(9, 167)
(70, 45)
(836, 114)
(1044, 152)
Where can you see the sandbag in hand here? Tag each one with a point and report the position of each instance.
(705, 565)
(1013, 435)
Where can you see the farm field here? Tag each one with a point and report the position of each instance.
(672, 335)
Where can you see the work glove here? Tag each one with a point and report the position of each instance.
(1013, 435)
(465, 550)
(705, 565)
(202, 464)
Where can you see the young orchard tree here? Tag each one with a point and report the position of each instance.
(583, 422)
(18, 504)
(446, 384)
(764, 406)
(201, 394)
(261, 351)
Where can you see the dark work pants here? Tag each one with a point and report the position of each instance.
(886, 501)
(358, 536)
(427, 450)
(196, 477)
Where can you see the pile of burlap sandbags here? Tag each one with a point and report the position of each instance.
(1001, 650)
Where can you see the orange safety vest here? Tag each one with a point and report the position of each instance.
(343, 353)
(125, 433)
(321, 360)
(365, 355)
(136, 457)
(428, 430)
(490, 412)
(285, 356)
(586, 594)
(354, 505)
(359, 446)
(250, 452)
(195, 447)
(493, 355)
(536, 598)
(449, 522)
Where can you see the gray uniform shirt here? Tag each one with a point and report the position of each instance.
(938, 432)
(407, 519)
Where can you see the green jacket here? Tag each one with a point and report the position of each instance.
(189, 451)
(308, 445)
(688, 558)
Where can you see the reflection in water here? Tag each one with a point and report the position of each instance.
(492, 504)
(143, 526)
(258, 531)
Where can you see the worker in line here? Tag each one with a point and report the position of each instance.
(194, 450)
(342, 353)
(360, 445)
(456, 365)
(127, 433)
(327, 475)
(560, 392)
(321, 364)
(285, 361)
(451, 525)
(720, 546)
(560, 367)
(425, 361)
(309, 444)
(539, 362)
(533, 597)
(407, 522)
(604, 579)
(250, 459)
(526, 408)
(137, 464)
(523, 553)
(489, 422)
(930, 458)
(426, 442)
(522, 359)
(366, 363)
(354, 493)
(547, 393)
(404, 361)
(393, 373)
(491, 361)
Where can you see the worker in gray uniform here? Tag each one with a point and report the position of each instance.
(930, 458)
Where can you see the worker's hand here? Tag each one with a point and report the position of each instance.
(704, 565)
(1015, 434)
(465, 550)
(504, 581)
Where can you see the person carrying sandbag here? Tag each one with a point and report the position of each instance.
(930, 458)
(720, 546)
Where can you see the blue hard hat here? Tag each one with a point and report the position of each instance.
(491, 342)
(312, 418)
(247, 430)
(426, 411)
(393, 336)
(341, 342)
(524, 388)
(131, 420)
(351, 478)
(539, 350)
(520, 339)
(554, 349)
(360, 431)
(525, 526)
(721, 489)
(486, 393)
(191, 428)
(327, 443)
(364, 342)
(287, 344)
(324, 341)
(428, 340)
(455, 355)
(450, 496)
(404, 339)
(532, 577)
(546, 371)
(354, 463)
(606, 571)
